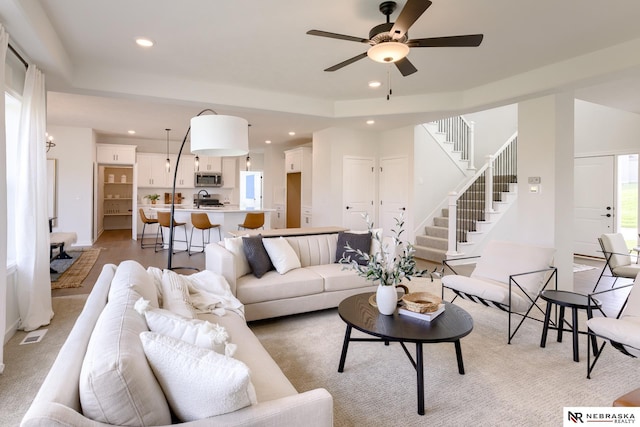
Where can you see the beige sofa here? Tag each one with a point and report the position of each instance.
(133, 386)
(318, 284)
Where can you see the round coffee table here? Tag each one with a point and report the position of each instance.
(453, 324)
(574, 301)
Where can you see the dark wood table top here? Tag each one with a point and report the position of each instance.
(453, 324)
(569, 299)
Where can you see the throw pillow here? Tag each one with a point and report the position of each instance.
(198, 332)
(256, 255)
(281, 254)
(198, 383)
(175, 294)
(356, 241)
(234, 245)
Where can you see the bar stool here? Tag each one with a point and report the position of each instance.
(252, 221)
(164, 219)
(200, 220)
(146, 220)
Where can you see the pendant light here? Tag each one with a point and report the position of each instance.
(168, 164)
(197, 163)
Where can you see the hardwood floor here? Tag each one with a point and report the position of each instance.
(116, 246)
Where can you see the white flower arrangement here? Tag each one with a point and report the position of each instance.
(390, 265)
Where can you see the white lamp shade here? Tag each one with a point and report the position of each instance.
(388, 52)
(220, 136)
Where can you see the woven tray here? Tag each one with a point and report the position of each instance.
(421, 302)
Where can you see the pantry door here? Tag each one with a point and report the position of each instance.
(358, 191)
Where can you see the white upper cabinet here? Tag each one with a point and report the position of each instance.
(229, 172)
(293, 160)
(210, 164)
(152, 171)
(116, 154)
(185, 171)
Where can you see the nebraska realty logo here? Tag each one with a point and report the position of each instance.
(604, 416)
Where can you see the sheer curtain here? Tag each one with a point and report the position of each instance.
(4, 41)
(32, 226)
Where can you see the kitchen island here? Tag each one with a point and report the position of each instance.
(227, 217)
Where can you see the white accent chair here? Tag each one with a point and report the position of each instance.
(508, 276)
(617, 257)
(623, 331)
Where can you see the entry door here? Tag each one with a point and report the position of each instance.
(594, 197)
(358, 191)
(394, 182)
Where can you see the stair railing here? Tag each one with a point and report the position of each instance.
(460, 132)
(472, 203)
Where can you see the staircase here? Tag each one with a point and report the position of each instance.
(476, 209)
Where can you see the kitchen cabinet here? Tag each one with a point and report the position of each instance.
(278, 220)
(186, 168)
(152, 171)
(229, 172)
(116, 154)
(298, 162)
(210, 164)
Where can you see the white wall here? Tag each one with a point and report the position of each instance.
(602, 130)
(492, 129)
(75, 152)
(330, 146)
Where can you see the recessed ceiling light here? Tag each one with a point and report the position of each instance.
(374, 84)
(268, 141)
(292, 133)
(144, 42)
(131, 132)
(370, 122)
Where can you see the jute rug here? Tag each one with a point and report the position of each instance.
(520, 384)
(78, 271)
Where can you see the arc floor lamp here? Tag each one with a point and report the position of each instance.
(211, 135)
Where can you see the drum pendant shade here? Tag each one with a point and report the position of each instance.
(220, 136)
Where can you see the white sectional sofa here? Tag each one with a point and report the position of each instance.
(102, 369)
(318, 284)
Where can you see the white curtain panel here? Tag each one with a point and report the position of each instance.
(4, 41)
(32, 226)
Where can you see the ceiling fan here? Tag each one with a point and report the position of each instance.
(390, 41)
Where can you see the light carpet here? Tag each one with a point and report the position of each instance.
(506, 385)
(77, 271)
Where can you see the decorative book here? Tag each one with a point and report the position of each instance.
(422, 316)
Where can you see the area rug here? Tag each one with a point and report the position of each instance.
(72, 272)
(517, 384)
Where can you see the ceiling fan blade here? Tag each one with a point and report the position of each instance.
(338, 36)
(347, 62)
(471, 40)
(409, 14)
(405, 67)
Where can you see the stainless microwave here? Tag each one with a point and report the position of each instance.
(208, 179)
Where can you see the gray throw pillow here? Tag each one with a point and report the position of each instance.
(360, 241)
(257, 255)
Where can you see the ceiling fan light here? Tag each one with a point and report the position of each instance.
(387, 52)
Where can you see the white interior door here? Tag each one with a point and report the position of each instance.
(358, 191)
(394, 181)
(594, 202)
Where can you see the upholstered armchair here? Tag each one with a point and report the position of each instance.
(617, 257)
(508, 276)
(622, 331)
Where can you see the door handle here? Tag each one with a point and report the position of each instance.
(348, 207)
(403, 209)
(607, 215)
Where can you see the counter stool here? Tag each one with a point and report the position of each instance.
(146, 220)
(252, 221)
(200, 220)
(164, 219)
(574, 301)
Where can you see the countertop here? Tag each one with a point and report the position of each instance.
(212, 209)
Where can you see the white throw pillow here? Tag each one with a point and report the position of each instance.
(198, 383)
(198, 332)
(175, 294)
(282, 255)
(130, 274)
(234, 245)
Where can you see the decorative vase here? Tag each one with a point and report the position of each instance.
(386, 299)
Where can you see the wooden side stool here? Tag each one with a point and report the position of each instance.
(630, 399)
